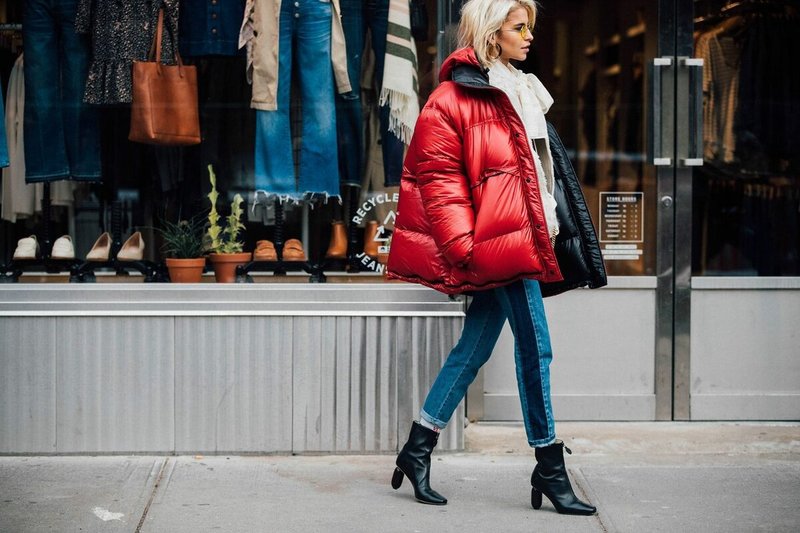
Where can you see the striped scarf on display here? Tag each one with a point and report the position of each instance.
(400, 87)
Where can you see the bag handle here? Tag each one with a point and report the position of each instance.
(155, 48)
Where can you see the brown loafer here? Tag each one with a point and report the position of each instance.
(265, 251)
(293, 251)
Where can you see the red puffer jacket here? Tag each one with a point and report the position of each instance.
(470, 216)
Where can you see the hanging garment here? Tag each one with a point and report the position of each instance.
(210, 28)
(262, 30)
(122, 32)
(61, 133)
(348, 105)
(305, 50)
(400, 89)
(21, 200)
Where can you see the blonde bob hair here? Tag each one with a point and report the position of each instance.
(482, 19)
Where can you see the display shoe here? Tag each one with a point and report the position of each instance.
(370, 233)
(101, 250)
(338, 246)
(293, 251)
(132, 249)
(63, 248)
(550, 478)
(27, 249)
(414, 462)
(265, 251)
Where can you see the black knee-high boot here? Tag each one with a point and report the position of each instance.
(550, 478)
(414, 461)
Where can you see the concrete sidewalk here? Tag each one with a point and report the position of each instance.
(644, 477)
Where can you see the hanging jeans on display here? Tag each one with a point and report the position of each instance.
(521, 303)
(348, 106)
(3, 139)
(377, 19)
(304, 44)
(357, 16)
(61, 132)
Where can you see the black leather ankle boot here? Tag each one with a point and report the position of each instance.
(550, 478)
(414, 462)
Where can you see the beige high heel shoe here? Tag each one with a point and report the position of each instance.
(101, 249)
(132, 249)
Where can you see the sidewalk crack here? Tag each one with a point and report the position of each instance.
(152, 495)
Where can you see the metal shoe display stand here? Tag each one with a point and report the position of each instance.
(280, 267)
(79, 271)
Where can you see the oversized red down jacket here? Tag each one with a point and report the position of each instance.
(470, 215)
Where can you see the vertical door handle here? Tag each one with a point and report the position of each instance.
(695, 148)
(658, 154)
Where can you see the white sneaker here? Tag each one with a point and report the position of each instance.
(63, 248)
(27, 248)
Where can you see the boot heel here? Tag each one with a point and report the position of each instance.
(397, 478)
(536, 498)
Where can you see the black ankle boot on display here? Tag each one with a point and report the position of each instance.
(550, 478)
(414, 462)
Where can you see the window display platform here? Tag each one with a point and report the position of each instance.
(212, 368)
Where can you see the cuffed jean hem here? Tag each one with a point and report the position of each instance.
(432, 420)
(541, 443)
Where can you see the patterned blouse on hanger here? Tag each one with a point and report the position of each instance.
(122, 31)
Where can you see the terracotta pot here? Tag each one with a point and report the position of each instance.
(225, 265)
(186, 270)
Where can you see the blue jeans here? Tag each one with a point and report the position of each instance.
(349, 122)
(377, 16)
(3, 138)
(305, 31)
(61, 132)
(357, 16)
(520, 303)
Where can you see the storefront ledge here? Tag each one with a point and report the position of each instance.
(632, 282)
(284, 299)
(746, 282)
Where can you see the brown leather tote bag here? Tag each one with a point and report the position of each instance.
(164, 109)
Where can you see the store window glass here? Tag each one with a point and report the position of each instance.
(747, 194)
(294, 125)
(591, 56)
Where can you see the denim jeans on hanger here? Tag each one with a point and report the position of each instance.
(305, 45)
(349, 125)
(520, 303)
(61, 132)
(376, 14)
(3, 139)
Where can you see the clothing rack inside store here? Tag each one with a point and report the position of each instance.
(712, 11)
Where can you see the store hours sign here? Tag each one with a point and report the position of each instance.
(622, 225)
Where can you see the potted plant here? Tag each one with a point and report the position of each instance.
(183, 249)
(224, 243)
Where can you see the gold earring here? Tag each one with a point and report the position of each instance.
(497, 51)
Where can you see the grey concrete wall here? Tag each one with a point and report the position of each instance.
(745, 349)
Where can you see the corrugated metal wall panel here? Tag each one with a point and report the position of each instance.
(233, 389)
(228, 384)
(27, 385)
(114, 384)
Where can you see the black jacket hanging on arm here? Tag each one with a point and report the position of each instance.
(577, 248)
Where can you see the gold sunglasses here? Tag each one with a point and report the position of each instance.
(524, 30)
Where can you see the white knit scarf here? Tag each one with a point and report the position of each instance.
(400, 86)
(531, 101)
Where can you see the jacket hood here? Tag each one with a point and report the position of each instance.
(463, 57)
